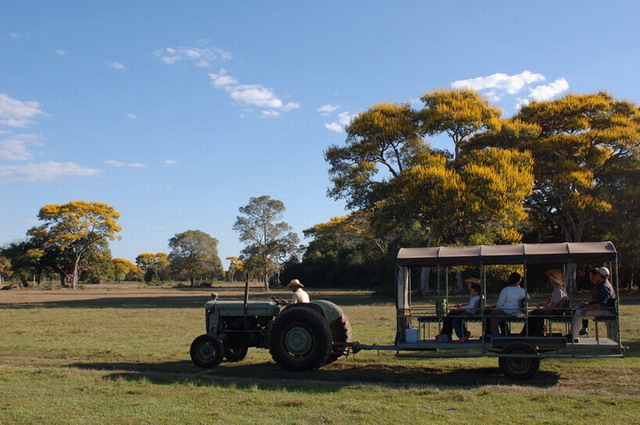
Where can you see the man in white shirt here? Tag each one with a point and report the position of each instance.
(299, 295)
(510, 303)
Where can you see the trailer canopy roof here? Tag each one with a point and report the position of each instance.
(565, 252)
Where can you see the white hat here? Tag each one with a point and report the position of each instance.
(604, 271)
(295, 282)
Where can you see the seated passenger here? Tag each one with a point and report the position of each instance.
(510, 303)
(554, 304)
(602, 304)
(455, 317)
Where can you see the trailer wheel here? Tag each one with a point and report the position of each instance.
(519, 368)
(300, 339)
(207, 351)
(235, 354)
(341, 332)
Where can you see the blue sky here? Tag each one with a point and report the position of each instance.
(176, 113)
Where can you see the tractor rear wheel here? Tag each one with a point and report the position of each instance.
(207, 351)
(300, 339)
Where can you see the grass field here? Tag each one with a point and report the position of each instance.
(119, 354)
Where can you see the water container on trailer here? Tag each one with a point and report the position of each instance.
(411, 335)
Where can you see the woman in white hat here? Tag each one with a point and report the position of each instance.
(557, 301)
(299, 295)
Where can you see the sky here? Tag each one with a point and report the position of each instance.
(177, 113)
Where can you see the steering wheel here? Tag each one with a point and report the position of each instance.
(279, 301)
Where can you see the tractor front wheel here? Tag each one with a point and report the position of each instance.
(207, 351)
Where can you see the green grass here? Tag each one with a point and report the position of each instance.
(118, 354)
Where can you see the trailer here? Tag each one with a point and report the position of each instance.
(518, 354)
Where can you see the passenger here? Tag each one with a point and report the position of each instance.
(299, 295)
(455, 317)
(593, 276)
(468, 309)
(553, 305)
(510, 303)
(602, 304)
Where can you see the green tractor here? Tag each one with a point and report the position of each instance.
(300, 337)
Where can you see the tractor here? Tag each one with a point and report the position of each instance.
(300, 337)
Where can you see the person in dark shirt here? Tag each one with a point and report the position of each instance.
(602, 303)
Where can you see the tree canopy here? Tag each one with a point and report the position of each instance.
(194, 254)
(268, 240)
(73, 228)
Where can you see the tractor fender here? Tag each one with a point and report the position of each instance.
(327, 309)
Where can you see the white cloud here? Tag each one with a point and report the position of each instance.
(202, 57)
(44, 171)
(60, 52)
(544, 92)
(251, 94)
(334, 126)
(496, 85)
(16, 148)
(119, 164)
(171, 162)
(327, 109)
(344, 119)
(270, 113)
(116, 65)
(132, 116)
(221, 80)
(13, 35)
(17, 113)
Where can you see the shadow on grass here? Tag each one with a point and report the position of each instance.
(177, 301)
(270, 376)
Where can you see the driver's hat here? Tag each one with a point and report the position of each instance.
(295, 282)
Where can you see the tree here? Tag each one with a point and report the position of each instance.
(125, 270)
(154, 266)
(579, 139)
(194, 254)
(267, 238)
(380, 143)
(96, 265)
(5, 268)
(236, 268)
(74, 228)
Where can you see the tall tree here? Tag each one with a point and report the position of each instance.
(194, 254)
(73, 228)
(267, 238)
(579, 138)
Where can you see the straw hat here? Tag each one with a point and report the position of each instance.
(295, 282)
(472, 280)
(557, 276)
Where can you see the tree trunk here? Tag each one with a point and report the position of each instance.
(461, 287)
(423, 289)
(74, 278)
(571, 280)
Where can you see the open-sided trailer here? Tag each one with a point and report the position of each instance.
(518, 355)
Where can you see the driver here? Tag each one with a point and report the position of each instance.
(299, 295)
